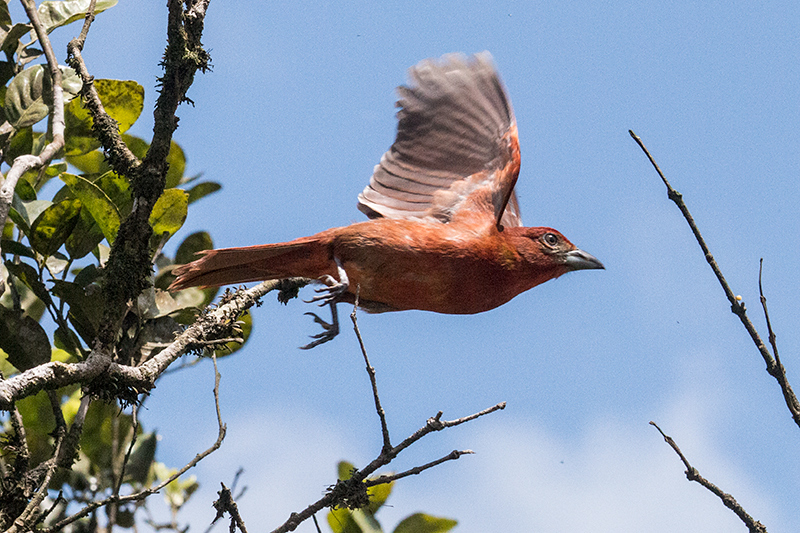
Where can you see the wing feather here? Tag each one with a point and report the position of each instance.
(456, 147)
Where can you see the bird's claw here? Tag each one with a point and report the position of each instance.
(328, 295)
(329, 329)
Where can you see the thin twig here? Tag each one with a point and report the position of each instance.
(387, 444)
(729, 501)
(133, 431)
(737, 307)
(380, 480)
(333, 498)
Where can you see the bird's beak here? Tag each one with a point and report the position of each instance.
(579, 260)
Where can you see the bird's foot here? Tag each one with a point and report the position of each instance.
(334, 288)
(329, 330)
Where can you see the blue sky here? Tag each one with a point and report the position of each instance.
(297, 111)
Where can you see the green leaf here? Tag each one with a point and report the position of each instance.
(28, 98)
(203, 189)
(5, 15)
(92, 163)
(122, 100)
(7, 71)
(98, 434)
(25, 191)
(177, 165)
(142, 456)
(23, 339)
(176, 159)
(97, 202)
(170, 211)
(66, 339)
(52, 227)
(344, 470)
(28, 275)
(21, 144)
(85, 307)
(341, 521)
(54, 14)
(85, 236)
(11, 40)
(16, 248)
(196, 242)
(118, 189)
(137, 146)
(25, 299)
(378, 494)
(25, 213)
(424, 523)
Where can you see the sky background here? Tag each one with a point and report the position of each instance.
(295, 114)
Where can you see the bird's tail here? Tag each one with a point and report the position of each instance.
(306, 257)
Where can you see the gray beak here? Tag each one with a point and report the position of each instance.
(580, 260)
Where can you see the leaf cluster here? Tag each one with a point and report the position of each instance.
(63, 220)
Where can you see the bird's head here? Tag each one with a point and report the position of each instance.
(547, 248)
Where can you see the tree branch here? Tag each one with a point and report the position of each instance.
(344, 489)
(128, 270)
(212, 325)
(774, 369)
(729, 501)
(104, 127)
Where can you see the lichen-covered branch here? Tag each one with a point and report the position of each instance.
(128, 269)
(213, 325)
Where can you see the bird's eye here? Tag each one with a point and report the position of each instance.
(550, 239)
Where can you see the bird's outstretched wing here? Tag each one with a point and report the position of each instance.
(456, 153)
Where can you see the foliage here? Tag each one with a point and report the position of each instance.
(62, 222)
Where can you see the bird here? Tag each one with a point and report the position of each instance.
(443, 230)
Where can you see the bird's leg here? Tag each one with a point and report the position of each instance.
(328, 295)
(329, 330)
(334, 288)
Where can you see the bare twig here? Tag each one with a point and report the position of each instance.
(357, 480)
(729, 501)
(387, 444)
(380, 480)
(738, 308)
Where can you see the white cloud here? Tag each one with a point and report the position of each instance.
(613, 476)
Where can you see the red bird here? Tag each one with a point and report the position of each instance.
(444, 233)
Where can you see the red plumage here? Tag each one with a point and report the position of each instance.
(445, 233)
